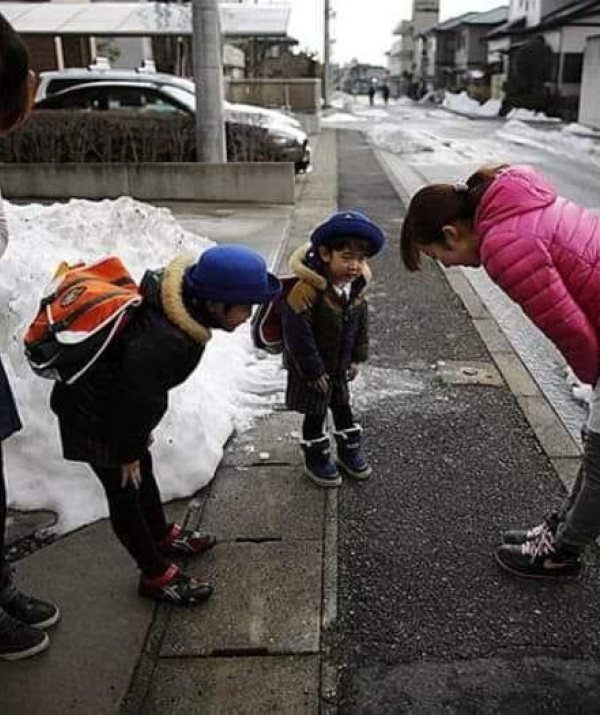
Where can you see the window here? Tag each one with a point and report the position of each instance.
(572, 67)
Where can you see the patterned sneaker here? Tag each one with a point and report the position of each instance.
(18, 640)
(186, 543)
(547, 528)
(175, 588)
(542, 558)
(28, 610)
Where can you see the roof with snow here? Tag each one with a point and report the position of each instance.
(492, 17)
(132, 19)
(556, 18)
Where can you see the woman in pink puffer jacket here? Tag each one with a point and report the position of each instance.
(544, 252)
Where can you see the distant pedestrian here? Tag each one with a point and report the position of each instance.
(326, 338)
(385, 92)
(543, 250)
(371, 94)
(22, 618)
(107, 415)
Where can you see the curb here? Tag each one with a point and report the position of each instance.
(554, 439)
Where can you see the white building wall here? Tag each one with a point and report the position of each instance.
(575, 37)
(589, 103)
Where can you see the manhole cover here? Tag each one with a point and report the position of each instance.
(469, 373)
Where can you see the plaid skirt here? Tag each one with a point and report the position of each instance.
(300, 398)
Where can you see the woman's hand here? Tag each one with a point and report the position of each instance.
(131, 474)
(321, 384)
(353, 371)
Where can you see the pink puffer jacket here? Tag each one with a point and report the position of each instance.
(544, 252)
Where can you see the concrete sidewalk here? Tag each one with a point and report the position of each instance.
(254, 647)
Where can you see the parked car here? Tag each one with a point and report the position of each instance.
(60, 80)
(287, 143)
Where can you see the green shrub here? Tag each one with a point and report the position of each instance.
(66, 136)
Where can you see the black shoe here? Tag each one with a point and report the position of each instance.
(18, 640)
(547, 528)
(540, 559)
(28, 610)
(175, 587)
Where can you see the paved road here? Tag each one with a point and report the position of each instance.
(427, 622)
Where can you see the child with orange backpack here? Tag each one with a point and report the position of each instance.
(107, 414)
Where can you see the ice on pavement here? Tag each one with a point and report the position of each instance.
(230, 386)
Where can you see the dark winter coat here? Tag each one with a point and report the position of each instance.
(322, 334)
(108, 415)
(9, 417)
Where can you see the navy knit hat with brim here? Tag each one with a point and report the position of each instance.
(349, 224)
(234, 275)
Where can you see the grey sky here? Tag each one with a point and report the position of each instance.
(364, 29)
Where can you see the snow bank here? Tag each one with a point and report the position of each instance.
(564, 141)
(391, 137)
(229, 386)
(463, 104)
(528, 115)
(338, 118)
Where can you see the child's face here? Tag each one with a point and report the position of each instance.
(460, 249)
(232, 316)
(342, 266)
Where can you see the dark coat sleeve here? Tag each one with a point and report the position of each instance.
(139, 397)
(299, 341)
(360, 353)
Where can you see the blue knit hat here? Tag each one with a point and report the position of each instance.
(351, 224)
(232, 274)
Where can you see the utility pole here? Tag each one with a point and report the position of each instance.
(326, 55)
(208, 78)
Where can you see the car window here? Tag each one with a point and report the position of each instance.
(57, 85)
(140, 99)
(89, 99)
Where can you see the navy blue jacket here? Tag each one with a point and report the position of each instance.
(9, 416)
(322, 334)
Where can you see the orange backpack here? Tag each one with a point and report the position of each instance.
(80, 313)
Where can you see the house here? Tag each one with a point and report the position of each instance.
(405, 63)
(589, 104)
(562, 28)
(457, 54)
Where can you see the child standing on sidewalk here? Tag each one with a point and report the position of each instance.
(107, 416)
(326, 337)
(544, 252)
(23, 619)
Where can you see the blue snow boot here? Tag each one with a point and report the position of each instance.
(351, 456)
(317, 463)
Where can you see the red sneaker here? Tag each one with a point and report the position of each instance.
(186, 543)
(174, 587)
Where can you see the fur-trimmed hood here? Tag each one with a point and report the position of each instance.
(171, 298)
(299, 267)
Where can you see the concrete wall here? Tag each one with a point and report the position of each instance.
(299, 95)
(589, 103)
(236, 183)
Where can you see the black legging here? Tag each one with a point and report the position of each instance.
(137, 515)
(312, 427)
(4, 576)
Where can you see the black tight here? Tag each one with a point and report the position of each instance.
(312, 427)
(137, 515)
(3, 564)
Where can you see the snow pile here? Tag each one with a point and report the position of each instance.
(391, 137)
(463, 104)
(231, 382)
(338, 118)
(581, 130)
(528, 115)
(564, 142)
